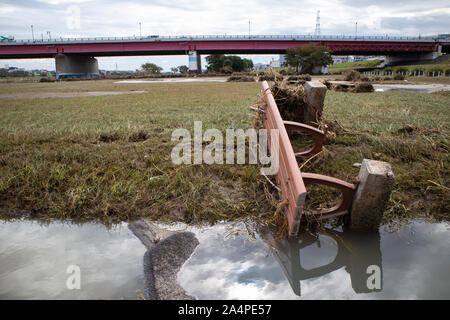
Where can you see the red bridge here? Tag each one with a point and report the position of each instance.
(76, 56)
(155, 45)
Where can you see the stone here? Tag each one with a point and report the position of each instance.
(315, 92)
(376, 181)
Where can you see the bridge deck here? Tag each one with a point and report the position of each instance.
(179, 45)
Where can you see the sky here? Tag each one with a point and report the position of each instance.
(90, 18)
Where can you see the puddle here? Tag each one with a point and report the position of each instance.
(227, 264)
(414, 264)
(425, 88)
(174, 80)
(37, 95)
(34, 260)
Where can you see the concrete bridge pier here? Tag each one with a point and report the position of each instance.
(406, 57)
(76, 66)
(195, 65)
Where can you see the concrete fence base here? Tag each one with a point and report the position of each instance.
(376, 181)
(315, 96)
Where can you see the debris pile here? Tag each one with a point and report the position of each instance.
(298, 79)
(240, 78)
(270, 76)
(352, 75)
(363, 87)
(290, 100)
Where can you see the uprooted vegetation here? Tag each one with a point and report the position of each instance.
(240, 78)
(352, 75)
(290, 101)
(363, 87)
(270, 76)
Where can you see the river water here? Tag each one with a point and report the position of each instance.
(228, 263)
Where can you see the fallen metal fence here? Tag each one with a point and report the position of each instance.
(292, 182)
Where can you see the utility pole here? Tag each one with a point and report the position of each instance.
(32, 32)
(356, 30)
(249, 29)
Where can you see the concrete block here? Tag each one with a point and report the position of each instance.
(315, 96)
(376, 181)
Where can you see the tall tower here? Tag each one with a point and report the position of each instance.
(317, 32)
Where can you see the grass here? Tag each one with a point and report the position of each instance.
(428, 69)
(107, 158)
(419, 157)
(345, 66)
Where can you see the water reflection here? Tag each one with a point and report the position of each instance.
(356, 251)
(227, 263)
(34, 259)
(333, 264)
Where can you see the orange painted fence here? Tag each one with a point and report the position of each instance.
(291, 181)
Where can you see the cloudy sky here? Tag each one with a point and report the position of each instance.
(89, 18)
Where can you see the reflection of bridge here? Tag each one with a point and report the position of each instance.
(87, 48)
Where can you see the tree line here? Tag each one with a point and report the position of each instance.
(303, 59)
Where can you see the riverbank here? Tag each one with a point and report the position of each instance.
(107, 158)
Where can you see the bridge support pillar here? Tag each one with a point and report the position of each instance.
(195, 65)
(411, 57)
(76, 66)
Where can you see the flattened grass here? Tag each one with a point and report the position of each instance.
(419, 156)
(107, 158)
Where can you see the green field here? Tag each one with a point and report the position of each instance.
(107, 158)
(443, 69)
(346, 66)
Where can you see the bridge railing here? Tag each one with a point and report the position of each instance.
(229, 37)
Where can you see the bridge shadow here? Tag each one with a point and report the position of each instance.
(356, 251)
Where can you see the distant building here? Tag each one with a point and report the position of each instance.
(275, 64)
(342, 59)
(260, 66)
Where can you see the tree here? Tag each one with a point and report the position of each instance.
(228, 64)
(183, 69)
(151, 67)
(215, 62)
(308, 57)
(174, 69)
(248, 64)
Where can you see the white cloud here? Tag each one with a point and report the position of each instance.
(58, 2)
(121, 18)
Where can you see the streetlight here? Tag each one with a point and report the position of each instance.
(249, 29)
(356, 30)
(32, 32)
(140, 30)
